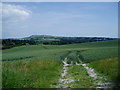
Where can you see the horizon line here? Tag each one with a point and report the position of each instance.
(58, 36)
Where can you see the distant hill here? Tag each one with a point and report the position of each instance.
(41, 38)
(48, 38)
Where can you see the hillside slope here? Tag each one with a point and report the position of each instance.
(43, 66)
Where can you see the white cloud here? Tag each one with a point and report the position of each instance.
(14, 13)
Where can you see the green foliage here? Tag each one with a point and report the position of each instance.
(36, 52)
(40, 65)
(99, 53)
(87, 51)
(64, 40)
(30, 74)
(82, 80)
(10, 43)
(107, 67)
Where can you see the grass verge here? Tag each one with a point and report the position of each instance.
(30, 74)
(107, 67)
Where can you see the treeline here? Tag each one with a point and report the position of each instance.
(52, 40)
(71, 40)
(56, 43)
(83, 39)
(9, 43)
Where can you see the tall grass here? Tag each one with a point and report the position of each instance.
(107, 67)
(99, 53)
(90, 51)
(39, 66)
(30, 74)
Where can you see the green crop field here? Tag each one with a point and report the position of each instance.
(107, 67)
(40, 66)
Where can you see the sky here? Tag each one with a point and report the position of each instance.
(81, 19)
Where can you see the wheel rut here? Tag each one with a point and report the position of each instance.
(65, 80)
